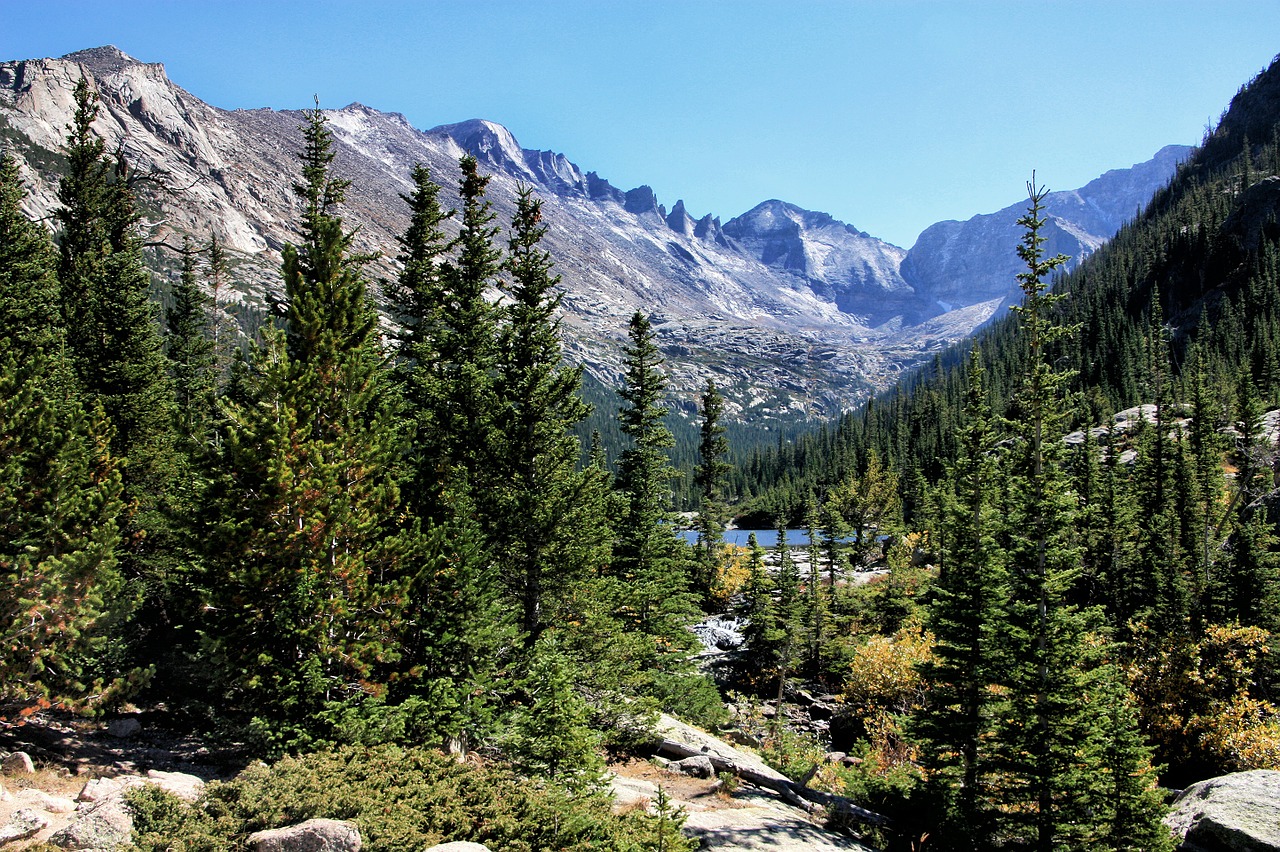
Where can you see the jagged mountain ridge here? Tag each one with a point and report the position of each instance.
(793, 313)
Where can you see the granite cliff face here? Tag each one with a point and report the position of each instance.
(957, 263)
(792, 312)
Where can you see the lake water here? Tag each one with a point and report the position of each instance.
(765, 538)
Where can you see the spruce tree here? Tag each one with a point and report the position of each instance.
(966, 608)
(309, 566)
(116, 351)
(548, 513)
(650, 557)
(190, 348)
(417, 300)
(1050, 741)
(709, 476)
(59, 489)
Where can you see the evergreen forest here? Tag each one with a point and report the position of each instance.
(1040, 578)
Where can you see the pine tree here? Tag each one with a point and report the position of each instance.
(966, 610)
(1050, 743)
(115, 348)
(650, 558)
(59, 488)
(544, 541)
(310, 569)
(709, 476)
(190, 348)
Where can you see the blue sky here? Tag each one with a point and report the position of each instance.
(889, 115)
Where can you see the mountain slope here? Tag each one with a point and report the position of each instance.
(954, 263)
(793, 313)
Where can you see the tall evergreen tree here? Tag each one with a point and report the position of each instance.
(309, 565)
(417, 299)
(115, 347)
(709, 477)
(548, 510)
(59, 487)
(190, 348)
(965, 613)
(1051, 740)
(650, 558)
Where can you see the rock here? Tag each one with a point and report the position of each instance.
(1231, 813)
(698, 766)
(314, 835)
(835, 757)
(184, 786)
(123, 729)
(103, 826)
(106, 789)
(22, 823)
(18, 763)
(820, 711)
(764, 827)
(50, 804)
(458, 846)
(5, 795)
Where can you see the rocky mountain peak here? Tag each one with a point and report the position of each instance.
(489, 142)
(107, 59)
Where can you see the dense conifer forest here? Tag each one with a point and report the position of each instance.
(351, 534)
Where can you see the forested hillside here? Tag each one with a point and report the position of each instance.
(1094, 478)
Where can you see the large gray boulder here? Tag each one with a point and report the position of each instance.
(314, 835)
(22, 823)
(102, 827)
(1232, 813)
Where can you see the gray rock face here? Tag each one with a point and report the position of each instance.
(698, 766)
(961, 263)
(314, 835)
(1233, 813)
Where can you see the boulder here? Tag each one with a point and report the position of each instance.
(1232, 813)
(458, 846)
(105, 789)
(184, 786)
(697, 766)
(22, 823)
(18, 763)
(102, 826)
(49, 804)
(314, 835)
(124, 729)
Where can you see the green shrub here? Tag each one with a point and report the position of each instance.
(400, 799)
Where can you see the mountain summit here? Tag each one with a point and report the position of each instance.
(791, 312)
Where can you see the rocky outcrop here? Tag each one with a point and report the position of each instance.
(18, 763)
(314, 835)
(1232, 813)
(102, 820)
